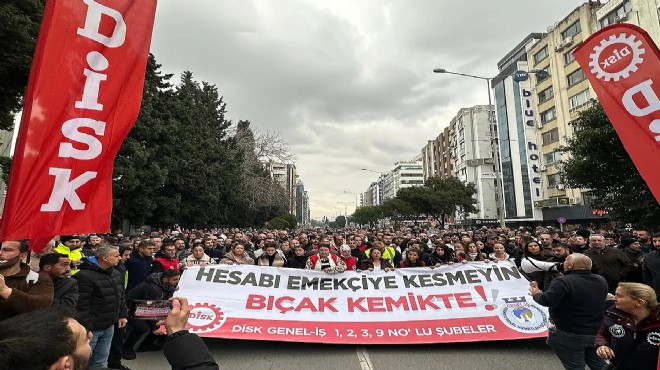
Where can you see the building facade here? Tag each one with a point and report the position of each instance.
(558, 96)
(285, 175)
(405, 174)
(474, 162)
(302, 204)
(517, 135)
(436, 156)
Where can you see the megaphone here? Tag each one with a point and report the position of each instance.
(529, 265)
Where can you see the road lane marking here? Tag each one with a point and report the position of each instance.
(363, 358)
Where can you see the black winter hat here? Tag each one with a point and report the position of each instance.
(627, 242)
(583, 233)
(66, 238)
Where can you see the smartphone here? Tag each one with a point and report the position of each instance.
(152, 310)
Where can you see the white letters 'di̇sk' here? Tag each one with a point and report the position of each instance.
(651, 100)
(64, 188)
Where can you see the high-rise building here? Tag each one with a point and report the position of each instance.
(517, 134)
(285, 175)
(302, 204)
(436, 156)
(643, 13)
(405, 174)
(557, 97)
(474, 162)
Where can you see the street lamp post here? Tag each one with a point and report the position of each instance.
(356, 194)
(493, 142)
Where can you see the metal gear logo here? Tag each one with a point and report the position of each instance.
(205, 318)
(616, 57)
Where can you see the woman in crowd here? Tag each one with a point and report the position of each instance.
(412, 259)
(532, 251)
(197, 258)
(259, 247)
(270, 257)
(237, 256)
(375, 262)
(441, 255)
(285, 247)
(346, 256)
(325, 261)
(472, 254)
(630, 332)
(499, 253)
(299, 259)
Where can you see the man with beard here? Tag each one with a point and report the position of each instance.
(71, 245)
(546, 245)
(21, 290)
(94, 241)
(560, 252)
(644, 240)
(304, 241)
(651, 266)
(67, 341)
(166, 259)
(58, 268)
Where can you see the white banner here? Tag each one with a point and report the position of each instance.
(458, 303)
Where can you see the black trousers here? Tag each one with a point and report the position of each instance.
(137, 328)
(114, 359)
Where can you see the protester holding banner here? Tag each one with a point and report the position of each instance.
(499, 253)
(412, 259)
(630, 332)
(325, 261)
(346, 257)
(270, 256)
(576, 303)
(375, 261)
(237, 256)
(442, 254)
(472, 254)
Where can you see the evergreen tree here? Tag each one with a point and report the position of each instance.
(599, 163)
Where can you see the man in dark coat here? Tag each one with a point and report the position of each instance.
(58, 268)
(158, 287)
(651, 266)
(101, 301)
(140, 264)
(613, 263)
(21, 290)
(576, 303)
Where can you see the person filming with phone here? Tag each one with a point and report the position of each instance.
(158, 287)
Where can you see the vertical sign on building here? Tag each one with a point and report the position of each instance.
(531, 146)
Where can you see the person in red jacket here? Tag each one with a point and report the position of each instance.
(349, 260)
(166, 259)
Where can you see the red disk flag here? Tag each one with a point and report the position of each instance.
(623, 66)
(82, 99)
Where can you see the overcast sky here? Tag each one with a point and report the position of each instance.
(348, 84)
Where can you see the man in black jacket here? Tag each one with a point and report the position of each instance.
(58, 268)
(158, 287)
(651, 266)
(101, 301)
(577, 305)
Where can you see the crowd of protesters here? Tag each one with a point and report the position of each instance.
(102, 276)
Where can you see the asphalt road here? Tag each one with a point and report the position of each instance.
(261, 355)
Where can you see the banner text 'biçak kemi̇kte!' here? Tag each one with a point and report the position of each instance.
(458, 303)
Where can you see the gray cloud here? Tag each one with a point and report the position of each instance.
(348, 84)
